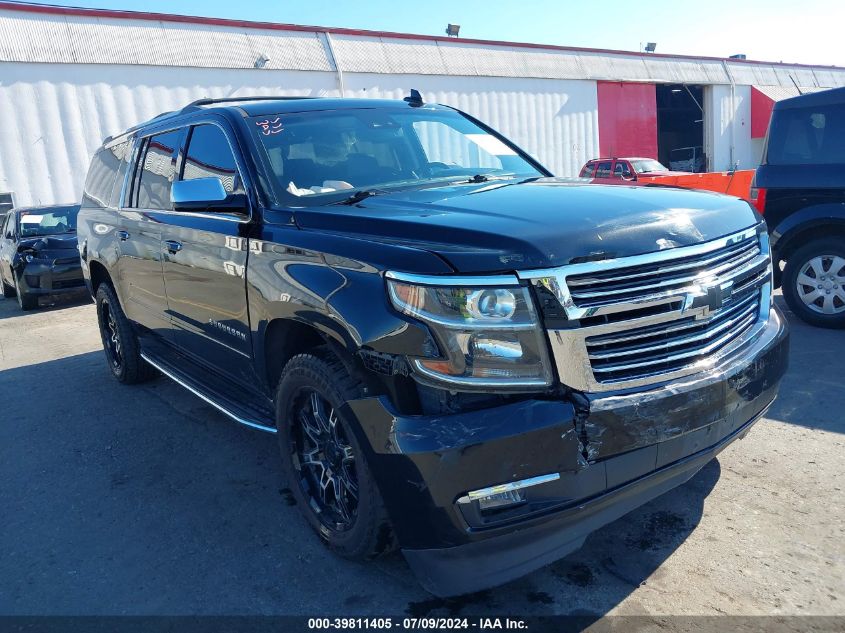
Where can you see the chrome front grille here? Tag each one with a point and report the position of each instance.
(639, 320)
(629, 283)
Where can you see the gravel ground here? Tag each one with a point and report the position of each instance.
(144, 500)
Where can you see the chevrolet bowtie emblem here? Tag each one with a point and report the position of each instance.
(709, 297)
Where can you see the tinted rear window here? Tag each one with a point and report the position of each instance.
(102, 175)
(157, 171)
(807, 136)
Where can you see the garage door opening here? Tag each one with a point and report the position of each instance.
(680, 127)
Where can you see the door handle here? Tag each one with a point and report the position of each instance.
(173, 246)
(123, 235)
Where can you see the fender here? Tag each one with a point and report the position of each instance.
(97, 242)
(811, 217)
(340, 296)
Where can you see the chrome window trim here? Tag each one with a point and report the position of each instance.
(186, 127)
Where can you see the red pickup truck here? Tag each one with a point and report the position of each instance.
(630, 169)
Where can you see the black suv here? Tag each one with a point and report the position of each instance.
(462, 356)
(800, 187)
(38, 255)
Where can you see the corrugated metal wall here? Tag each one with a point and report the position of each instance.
(68, 81)
(53, 38)
(53, 120)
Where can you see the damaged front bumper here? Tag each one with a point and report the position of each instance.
(50, 277)
(598, 457)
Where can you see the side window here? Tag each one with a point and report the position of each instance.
(157, 171)
(622, 170)
(100, 180)
(123, 153)
(7, 227)
(210, 156)
(587, 172)
(604, 169)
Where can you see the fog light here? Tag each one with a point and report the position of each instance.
(512, 497)
(505, 494)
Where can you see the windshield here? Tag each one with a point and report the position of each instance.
(645, 166)
(47, 222)
(319, 157)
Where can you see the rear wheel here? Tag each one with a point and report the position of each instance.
(814, 282)
(323, 461)
(123, 353)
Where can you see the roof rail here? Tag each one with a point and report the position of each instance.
(212, 100)
(195, 105)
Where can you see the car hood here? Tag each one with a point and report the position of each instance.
(503, 226)
(61, 245)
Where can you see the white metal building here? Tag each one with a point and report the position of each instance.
(69, 77)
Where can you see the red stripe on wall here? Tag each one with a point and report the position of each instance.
(627, 119)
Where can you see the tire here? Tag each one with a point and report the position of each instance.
(123, 353)
(8, 291)
(814, 282)
(354, 528)
(25, 301)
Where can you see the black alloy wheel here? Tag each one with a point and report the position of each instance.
(324, 461)
(111, 337)
(120, 344)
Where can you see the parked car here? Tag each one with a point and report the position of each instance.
(462, 356)
(38, 255)
(800, 187)
(688, 159)
(623, 169)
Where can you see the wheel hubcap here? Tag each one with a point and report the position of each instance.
(325, 461)
(820, 284)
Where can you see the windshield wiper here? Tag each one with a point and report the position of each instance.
(360, 195)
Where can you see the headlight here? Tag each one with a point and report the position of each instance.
(489, 336)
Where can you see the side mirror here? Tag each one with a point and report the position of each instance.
(204, 194)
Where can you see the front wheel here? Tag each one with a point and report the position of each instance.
(814, 282)
(323, 461)
(8, 291)
(123, 353)
(25, 301)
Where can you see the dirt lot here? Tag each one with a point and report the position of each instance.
(144, 500)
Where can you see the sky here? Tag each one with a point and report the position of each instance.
(805, 31)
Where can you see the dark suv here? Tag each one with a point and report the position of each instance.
(800, 187)
(462, 356)
(38, 255)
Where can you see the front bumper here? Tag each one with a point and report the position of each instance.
(624, 451)
(47, 278)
